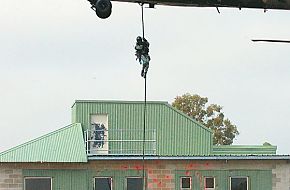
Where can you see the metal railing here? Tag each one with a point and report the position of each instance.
(120, 142)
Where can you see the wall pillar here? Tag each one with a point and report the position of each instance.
(11, 179)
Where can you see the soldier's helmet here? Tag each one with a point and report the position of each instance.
(139, 39)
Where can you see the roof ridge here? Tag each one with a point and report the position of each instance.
(39, 138)
(119, 102)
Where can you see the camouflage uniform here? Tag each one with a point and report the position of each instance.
(142, 54)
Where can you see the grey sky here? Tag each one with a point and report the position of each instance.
(54, 52)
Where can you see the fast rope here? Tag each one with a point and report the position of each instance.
(142, 20)
(145, 104)
(144, 131)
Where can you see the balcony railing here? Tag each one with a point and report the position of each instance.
(120, 142)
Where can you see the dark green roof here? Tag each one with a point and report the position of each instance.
(63, 145)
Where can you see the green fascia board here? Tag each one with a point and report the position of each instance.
(189, 157)
(63, 145)
(117, 101)
(244, 150)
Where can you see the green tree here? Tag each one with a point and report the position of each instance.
(211, 116)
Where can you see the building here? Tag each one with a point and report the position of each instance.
(103, 150)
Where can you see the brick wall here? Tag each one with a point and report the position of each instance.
(162, 174)
(11, 179)
(281, 176)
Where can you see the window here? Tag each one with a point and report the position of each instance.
(103, 183)
(209, 183)
(239, 183)
(37, 183)
(98, 134)
(185, 183)
(134, 183)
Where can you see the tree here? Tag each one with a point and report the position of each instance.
(210, 116)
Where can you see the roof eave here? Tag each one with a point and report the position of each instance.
(234, 157)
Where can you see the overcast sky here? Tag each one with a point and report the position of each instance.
(54, 52)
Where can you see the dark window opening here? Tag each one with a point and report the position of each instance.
(134, 183)
(103, 183)
(209, 182)
(239, 183)
(37, 183)
(185, 182)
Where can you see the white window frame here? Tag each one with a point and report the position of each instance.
(204, 181)
(190, 183)
(138, 177)
(102, 177)
(231, 177)
(38, 177)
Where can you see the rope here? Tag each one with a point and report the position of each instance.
(143, 27)
(145, 102)
(144, 131)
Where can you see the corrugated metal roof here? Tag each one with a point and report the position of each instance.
(244, 149)
(205, 157)
(63, 145)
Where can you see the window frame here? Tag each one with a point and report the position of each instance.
(138, 177)
(204, 181)
(247, 177)
(102, 177)
(36, 177)
(190, 183)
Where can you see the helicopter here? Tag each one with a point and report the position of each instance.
(103, 8)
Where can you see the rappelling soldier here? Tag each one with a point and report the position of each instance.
(142, 54)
